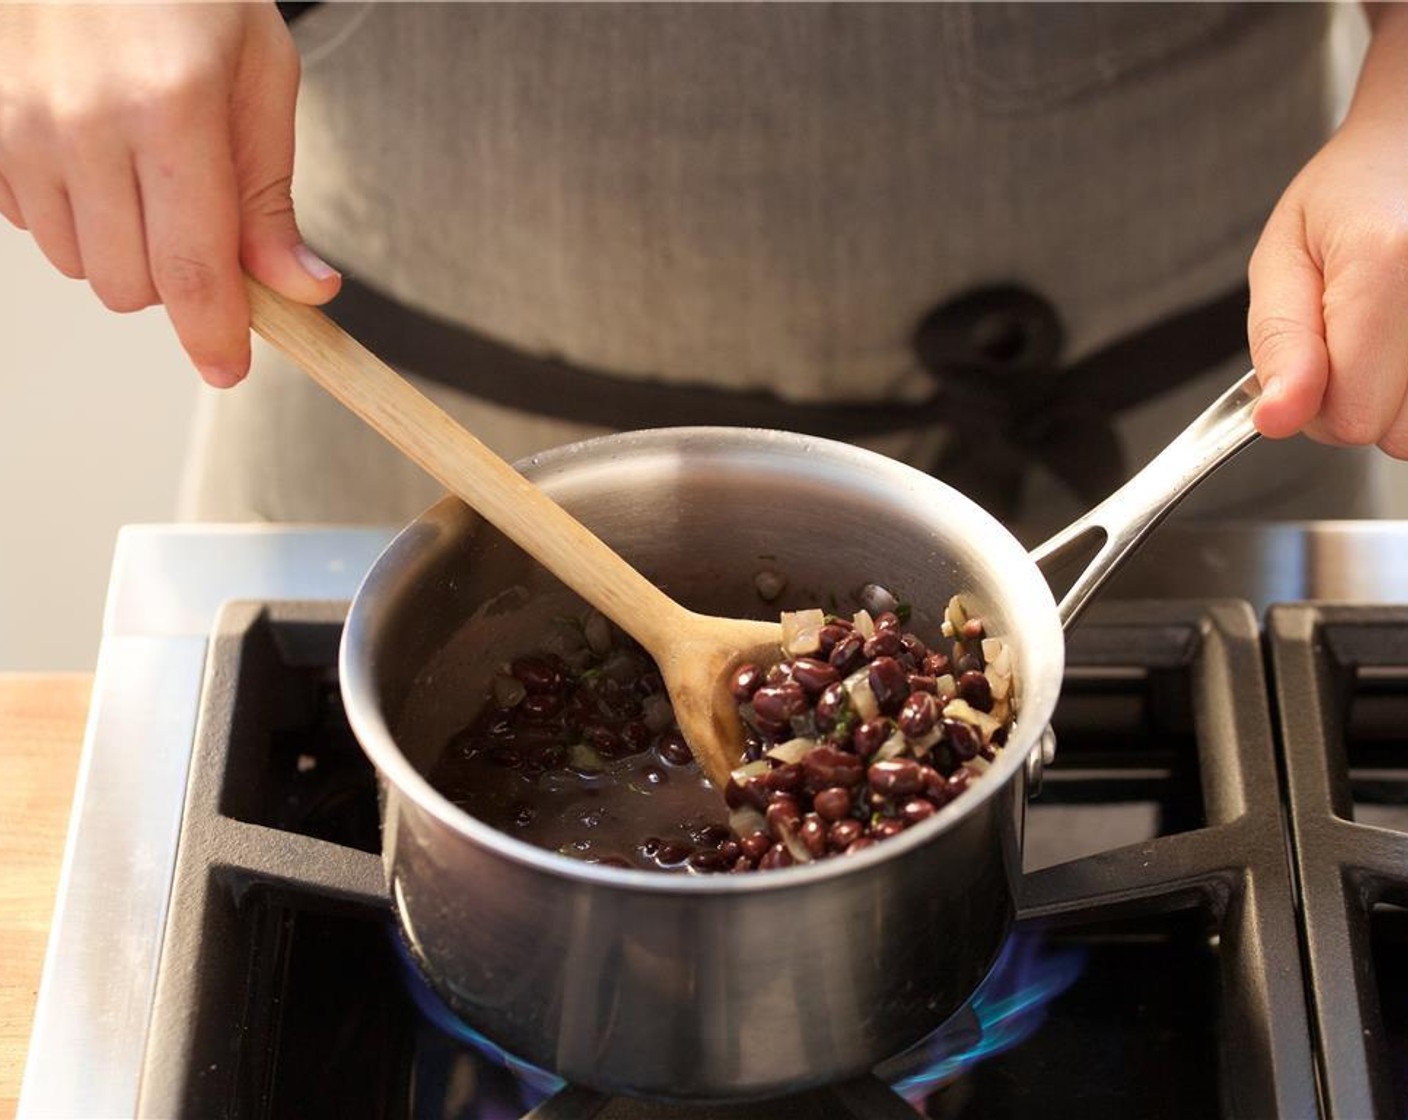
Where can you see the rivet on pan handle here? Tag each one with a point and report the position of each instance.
(1042, 756)
(1126, 517)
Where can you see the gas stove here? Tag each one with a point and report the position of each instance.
(1212, 919)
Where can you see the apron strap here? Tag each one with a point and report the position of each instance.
(993, 353)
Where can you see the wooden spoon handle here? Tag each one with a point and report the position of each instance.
(426, 433)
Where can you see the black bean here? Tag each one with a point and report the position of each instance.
(961, 738)
(674, 750)
(813, 834)
(776, 856)
(709, 861)
(550, 757)
(896, 777)
(884, 829)
(745, 681)
(744, 864)
(777, 704)
(537, 674)
(506, 757)
(779, 673)
(731, 850)
(936, 665)
(918, 682)
(968, 663)
(974, 688)
(870, 736)
(541, 706)
(848, 656)
(890, 684)
(814, 675)
(958, 782)
(972, 630)
(829, 635)
(782, 779)
(783, 815)
(750, 792)
(604, 741)
(636, 736)
(823, 767)
(755, 845)
(833, 804)
(917, 809)
(672, 853)
(844, 833)
(859, 845)
(919, 715)
(709, 835)
(832, 706)
(887, 620)
(886, 643)
(935, 785)
(914, 647)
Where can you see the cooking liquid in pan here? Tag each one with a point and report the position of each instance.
(868, 733)
(587, 764)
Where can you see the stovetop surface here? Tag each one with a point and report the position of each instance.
(1162, 966)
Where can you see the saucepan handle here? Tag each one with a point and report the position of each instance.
(1126, 517)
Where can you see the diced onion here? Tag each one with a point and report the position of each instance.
(962, 710)
(946, 687)
(508, 691)
(954, 617)
(582, 757)
(741, 774)
(656, 712)
(925, 743)
(862, 697)
(801, 631)
(597, 631)
(792, 750)
(892, 747)
(977, 765)
(793, 843)
(745, 820)
(864, 624)
(769, 585)
(877, 599)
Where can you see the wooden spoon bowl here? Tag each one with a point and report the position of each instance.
(697, 654)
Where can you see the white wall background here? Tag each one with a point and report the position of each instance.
(94, 411)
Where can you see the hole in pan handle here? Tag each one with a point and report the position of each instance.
(1122, 521)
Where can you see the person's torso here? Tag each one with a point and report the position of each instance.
(775, 194)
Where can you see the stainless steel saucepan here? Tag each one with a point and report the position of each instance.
(726, 986)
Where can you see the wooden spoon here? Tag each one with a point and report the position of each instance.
(696, 653)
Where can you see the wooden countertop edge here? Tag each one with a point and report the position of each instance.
(42, 718)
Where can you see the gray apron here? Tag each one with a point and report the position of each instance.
(771, 198)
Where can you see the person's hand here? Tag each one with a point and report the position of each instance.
(150, 149)
(1328, 324)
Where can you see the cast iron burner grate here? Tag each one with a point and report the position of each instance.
(1156, 858)
(1342, 690)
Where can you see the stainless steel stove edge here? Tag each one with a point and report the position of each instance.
(100, 967)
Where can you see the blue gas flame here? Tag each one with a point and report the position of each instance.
(535, 1084)
(1007, 1008)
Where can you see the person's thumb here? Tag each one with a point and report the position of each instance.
(271, 248)
(273, 251)
(1286, 330)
